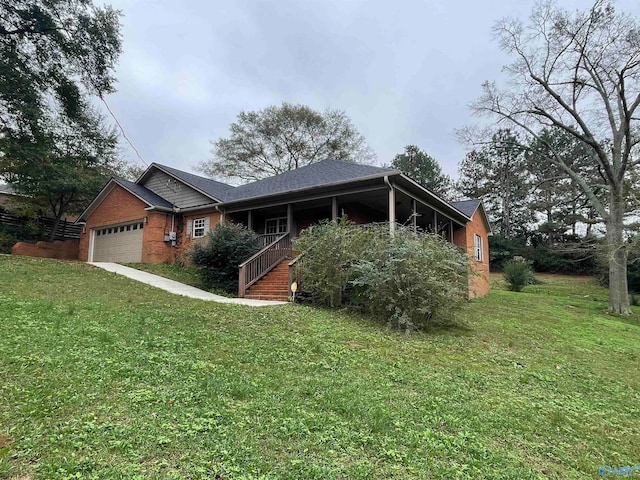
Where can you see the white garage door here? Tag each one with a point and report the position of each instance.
(118, 244)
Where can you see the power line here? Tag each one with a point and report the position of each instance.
(123, 132)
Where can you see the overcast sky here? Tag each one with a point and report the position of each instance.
(404, 72)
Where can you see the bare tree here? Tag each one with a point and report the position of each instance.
(580, 72)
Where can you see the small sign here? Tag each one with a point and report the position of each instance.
(294, 287)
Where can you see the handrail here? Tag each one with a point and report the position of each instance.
(261, 263)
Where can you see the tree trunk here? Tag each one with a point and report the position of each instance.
(617, 257)
(54, 227)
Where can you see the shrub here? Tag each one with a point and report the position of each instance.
(518, 274)
(10, 235)
(227, 245)
(405, 280)
(331, 250)
(416, 281)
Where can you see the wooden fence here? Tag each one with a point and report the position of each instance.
(43, 226)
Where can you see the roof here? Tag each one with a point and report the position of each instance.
(143, 193)
(323, 173)
(212, 188)
(468, 207)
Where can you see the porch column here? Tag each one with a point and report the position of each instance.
(334, 209)
(451, 231)
(435, 222)
(392, 210)
(289, 218)
(250, 219)
(414, 211)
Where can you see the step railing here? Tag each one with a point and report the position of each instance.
(263, 262)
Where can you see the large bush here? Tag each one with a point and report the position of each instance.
(518, 274)
(330, 252)
(406, 280)
(417, 280)
(218, 257)
(571, 257)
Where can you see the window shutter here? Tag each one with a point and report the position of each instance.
(207, 223)
(189, 228)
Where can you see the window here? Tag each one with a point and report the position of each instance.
(275, 225)
(477, 248)
(198, 227)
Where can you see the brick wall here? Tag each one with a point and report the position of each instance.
(464, 238)
(62, 250)
(120, 206)
(185, 237)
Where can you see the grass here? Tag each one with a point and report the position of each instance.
(101, 377)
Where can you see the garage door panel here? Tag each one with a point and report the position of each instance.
(118, 244)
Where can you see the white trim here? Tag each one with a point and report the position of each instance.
(203, 227)
(92, 240)
(478, 248)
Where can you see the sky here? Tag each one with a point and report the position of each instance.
(405, 72)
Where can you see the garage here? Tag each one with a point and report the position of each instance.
(122, 243)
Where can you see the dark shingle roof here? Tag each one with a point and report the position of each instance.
(145, 194)
(325, 172)
(468, 207)
(211, 187)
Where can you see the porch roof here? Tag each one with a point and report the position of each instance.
(321, 174)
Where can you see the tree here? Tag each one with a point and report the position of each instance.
(62, 172)
(54, 54)
(555, 194)
(282, 138)
(424, 169)
(496, 173)
(579, 72)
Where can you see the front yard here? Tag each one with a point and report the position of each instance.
(101, 377)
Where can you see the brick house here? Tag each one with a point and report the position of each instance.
(155, 218)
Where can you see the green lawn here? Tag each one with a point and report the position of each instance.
(101, 377)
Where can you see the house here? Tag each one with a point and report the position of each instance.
(156, 217)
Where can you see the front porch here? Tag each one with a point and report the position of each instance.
(278, 224)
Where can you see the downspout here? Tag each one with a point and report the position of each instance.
(221, 212)
(392, 205)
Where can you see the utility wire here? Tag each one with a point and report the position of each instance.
(123, 132)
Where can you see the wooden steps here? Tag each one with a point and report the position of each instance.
(273, 286)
